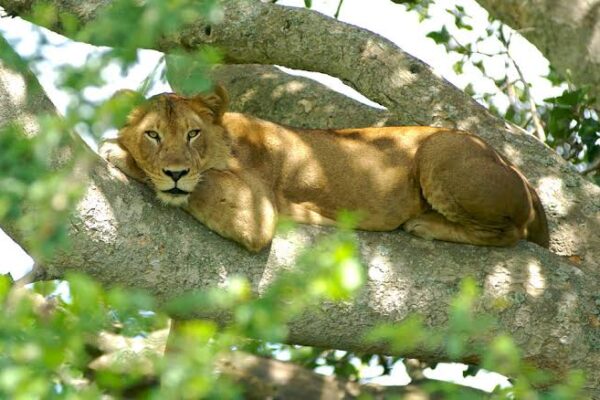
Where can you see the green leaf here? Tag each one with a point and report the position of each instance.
(469, 90)
(308, 3)
(501, 83)
(189, 73)
(568, 98)
(471, 370)
(458, 67)
(440, 37)
(479, 65)
(5, 285)
(459, 21)
(466, 50)
(510, 113)
(503, 356)
(555, 77)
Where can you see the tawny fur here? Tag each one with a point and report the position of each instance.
(243, 172)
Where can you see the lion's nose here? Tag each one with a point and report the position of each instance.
(176, 175)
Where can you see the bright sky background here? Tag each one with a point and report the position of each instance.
(380, 16)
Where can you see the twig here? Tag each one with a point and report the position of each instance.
(337, 11)
(38, 273)
(537, 123)
(481, 53)
(594, 166)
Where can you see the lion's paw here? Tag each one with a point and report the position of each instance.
(109, 150)
(418, 228)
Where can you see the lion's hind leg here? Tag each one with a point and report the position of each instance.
(433, 225)
(475, 196)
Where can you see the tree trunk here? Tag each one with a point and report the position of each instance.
(256, 32)
(122, 236)
(566, 32)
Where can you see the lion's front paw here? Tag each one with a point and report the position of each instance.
(116, 155)
(109, 150)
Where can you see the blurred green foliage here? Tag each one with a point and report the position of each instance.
(47, 339)
(574, 126)
(143, 24)
(33, 177)
(190, 71)
(44, 340)
(42, 172)
(48, 336)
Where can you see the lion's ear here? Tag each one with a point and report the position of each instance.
(217, 100)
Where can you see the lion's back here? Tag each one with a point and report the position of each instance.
(368, 170)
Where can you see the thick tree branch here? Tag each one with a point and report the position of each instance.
(261, 378)
(256, 32)
(266, 92)
(547, 304)
(261, 33)
(566, 32)
(121, 235)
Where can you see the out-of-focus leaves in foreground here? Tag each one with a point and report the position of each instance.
(38, 173)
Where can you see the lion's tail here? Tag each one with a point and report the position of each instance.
(537, 230)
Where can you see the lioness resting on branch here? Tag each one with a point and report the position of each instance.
(236, 174)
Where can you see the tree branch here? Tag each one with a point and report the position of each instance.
(566, 32)
(256, 32)
(260, 377)
(535, 116)
(122, 236)
(267, 92)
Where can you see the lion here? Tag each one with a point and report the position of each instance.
(237, 174)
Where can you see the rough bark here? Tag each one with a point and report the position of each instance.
(566, 32)
(264, 91)
(256, 32)
(121, 235)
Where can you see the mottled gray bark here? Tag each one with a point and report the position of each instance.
(566, 32)
(255, 32)
(264, 91)
(121, 235)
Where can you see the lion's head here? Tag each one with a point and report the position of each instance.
(174, 139)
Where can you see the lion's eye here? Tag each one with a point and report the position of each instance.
(153, 135)
(193, 133)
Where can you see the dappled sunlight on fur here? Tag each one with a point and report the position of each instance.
(236, 174)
